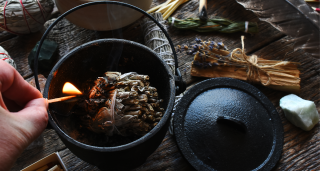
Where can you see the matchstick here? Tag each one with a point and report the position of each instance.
(203, 15)
(60, 99)
(316, 9)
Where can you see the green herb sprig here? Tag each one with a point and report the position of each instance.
(215, 24)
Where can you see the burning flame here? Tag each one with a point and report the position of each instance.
(68, 88)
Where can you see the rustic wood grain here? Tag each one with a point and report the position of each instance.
(301, 149)
(52, 144)
(166, 157)
(72, 162)
(4, 35)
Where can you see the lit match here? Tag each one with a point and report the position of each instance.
(68, 88)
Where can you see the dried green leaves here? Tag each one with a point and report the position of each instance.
(215, 24)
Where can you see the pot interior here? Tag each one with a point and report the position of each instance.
(87, 62)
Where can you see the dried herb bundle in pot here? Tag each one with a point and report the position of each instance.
(121, 104)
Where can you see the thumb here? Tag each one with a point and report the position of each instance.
(34, 117)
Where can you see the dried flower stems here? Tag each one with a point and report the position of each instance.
(167, 8)
(214, 60)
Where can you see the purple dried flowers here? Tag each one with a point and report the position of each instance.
(198, 40)
(207, 53)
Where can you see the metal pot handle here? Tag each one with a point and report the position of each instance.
(179, 83)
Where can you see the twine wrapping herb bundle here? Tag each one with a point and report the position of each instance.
(212, 59)
(221, 25)
(24, 16)
(156, 40)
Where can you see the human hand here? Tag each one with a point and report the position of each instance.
(23, 115)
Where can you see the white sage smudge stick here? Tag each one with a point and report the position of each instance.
(4, 55)
(24, 16)
(156, 40)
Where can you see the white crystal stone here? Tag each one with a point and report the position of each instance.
(302, 113)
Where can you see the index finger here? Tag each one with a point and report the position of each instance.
(14, 87)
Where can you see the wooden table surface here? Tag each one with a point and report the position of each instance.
(301, 150)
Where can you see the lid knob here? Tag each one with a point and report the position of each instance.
(227, 124)
(232, 122)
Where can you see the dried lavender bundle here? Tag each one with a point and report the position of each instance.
(213, 59)
(156, 40)
(122, 104)
(24, 16)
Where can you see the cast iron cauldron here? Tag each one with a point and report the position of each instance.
(91, 60)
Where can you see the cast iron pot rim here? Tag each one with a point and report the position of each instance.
(177, 71)
(223, 82)
(133, 143)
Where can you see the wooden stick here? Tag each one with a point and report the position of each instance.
(203, 10)
(316, 9)
(60, 99)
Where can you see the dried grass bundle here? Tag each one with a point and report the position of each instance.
(214, 60)
(24, 16)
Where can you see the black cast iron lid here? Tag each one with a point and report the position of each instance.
(227, 124)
